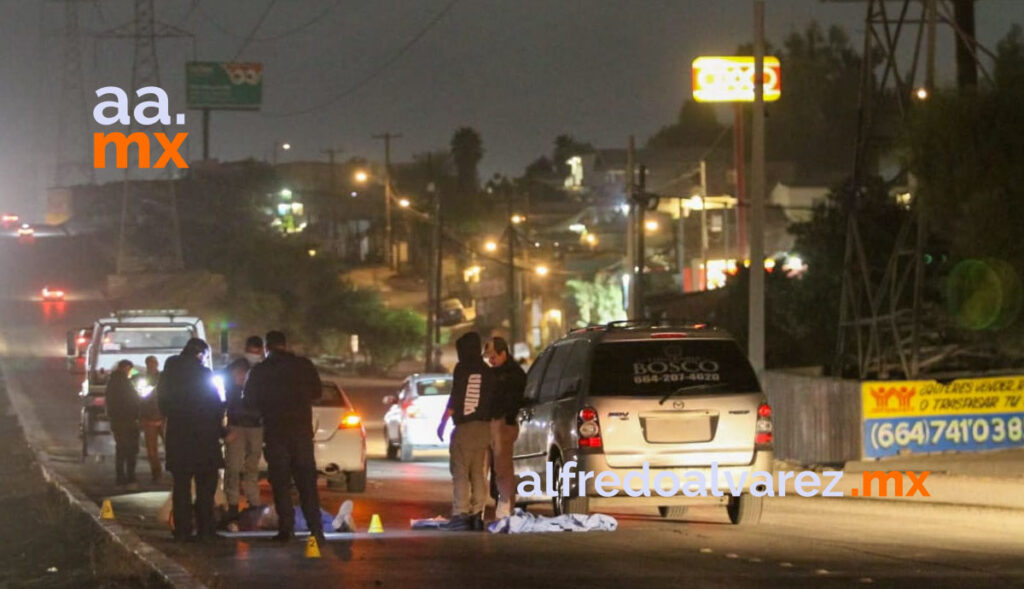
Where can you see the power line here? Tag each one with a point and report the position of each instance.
(255, 28)
(373, 74)
(297, 29)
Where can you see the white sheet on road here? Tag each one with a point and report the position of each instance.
(522, 522)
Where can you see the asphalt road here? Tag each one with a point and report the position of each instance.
(801, 542)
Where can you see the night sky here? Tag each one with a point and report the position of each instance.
(519, 71)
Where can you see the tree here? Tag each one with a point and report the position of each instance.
(467, 149)
(814, 124)
(802, 314)
(695, 126)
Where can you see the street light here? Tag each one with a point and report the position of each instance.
(651, 225)
(278, 144)
(921, 93)
(517, 219)
(591, 239)
(404, 203)
(490, 246)
(542, 270)
(361, 176)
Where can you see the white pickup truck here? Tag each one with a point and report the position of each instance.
(129, 335)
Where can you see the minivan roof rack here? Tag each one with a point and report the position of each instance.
(172, 313)
(666, 322)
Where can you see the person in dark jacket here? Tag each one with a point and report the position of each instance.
(470, 408)
(123, 412)
(194, 411)
(243, 444)
(150, 418)
(510, 384)
(282, 389)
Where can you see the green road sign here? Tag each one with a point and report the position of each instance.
(217, 85)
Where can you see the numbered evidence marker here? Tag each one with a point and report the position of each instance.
(107, 510)
(312, 548)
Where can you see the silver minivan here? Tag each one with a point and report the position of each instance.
(682, 399)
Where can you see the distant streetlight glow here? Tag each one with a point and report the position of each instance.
(542, 270)
(651, 225)
(312, 253)
(286, 146)
(361, 176)
(286, 193)
(517, 219)
(591, 239)
(491, 246)
(404, 203)
(921, 93)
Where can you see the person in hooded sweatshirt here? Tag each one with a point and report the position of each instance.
(469, 408)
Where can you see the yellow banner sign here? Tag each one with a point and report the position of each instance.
(914, 398)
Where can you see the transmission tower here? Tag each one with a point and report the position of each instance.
(73, 163)
(881, 314)
(144, 30)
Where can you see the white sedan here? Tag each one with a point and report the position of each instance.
(339, 440)
(410, 423)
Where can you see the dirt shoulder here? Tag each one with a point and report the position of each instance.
(48, 542)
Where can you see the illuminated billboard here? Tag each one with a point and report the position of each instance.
(731, 79)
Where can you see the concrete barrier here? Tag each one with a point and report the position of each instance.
(817, 419)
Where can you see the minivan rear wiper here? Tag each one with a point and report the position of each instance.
(694, 387)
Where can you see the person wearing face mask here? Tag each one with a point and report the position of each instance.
(254, 351)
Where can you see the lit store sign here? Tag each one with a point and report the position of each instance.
(731, 79)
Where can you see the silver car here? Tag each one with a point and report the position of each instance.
(678, 398)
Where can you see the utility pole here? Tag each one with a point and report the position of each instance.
(756, 298)
(438, 271)
(73, 119)
(144, 30)
(640, 202)
(388, 247)
(704, 224)
(918, 212)
(513, 298)
(333, 195)
(631, 230)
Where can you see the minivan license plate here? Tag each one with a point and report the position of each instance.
(678, 429)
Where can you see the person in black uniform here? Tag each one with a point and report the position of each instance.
(194, 410)
(282, 389)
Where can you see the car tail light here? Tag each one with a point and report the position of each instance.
(764, 428)
(350, 421)
(588, 428)
(81, 341)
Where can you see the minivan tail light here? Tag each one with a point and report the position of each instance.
(350, 421)
(589, 429)
(764, 429)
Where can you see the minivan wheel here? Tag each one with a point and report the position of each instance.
(406, 452)
(392, 448)
(672, 511)
(571, 504)
(745, 510)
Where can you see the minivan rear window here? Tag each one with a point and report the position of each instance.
(664, 366)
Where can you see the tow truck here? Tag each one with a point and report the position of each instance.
(131, 334)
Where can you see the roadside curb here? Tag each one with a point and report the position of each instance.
(164, 568)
